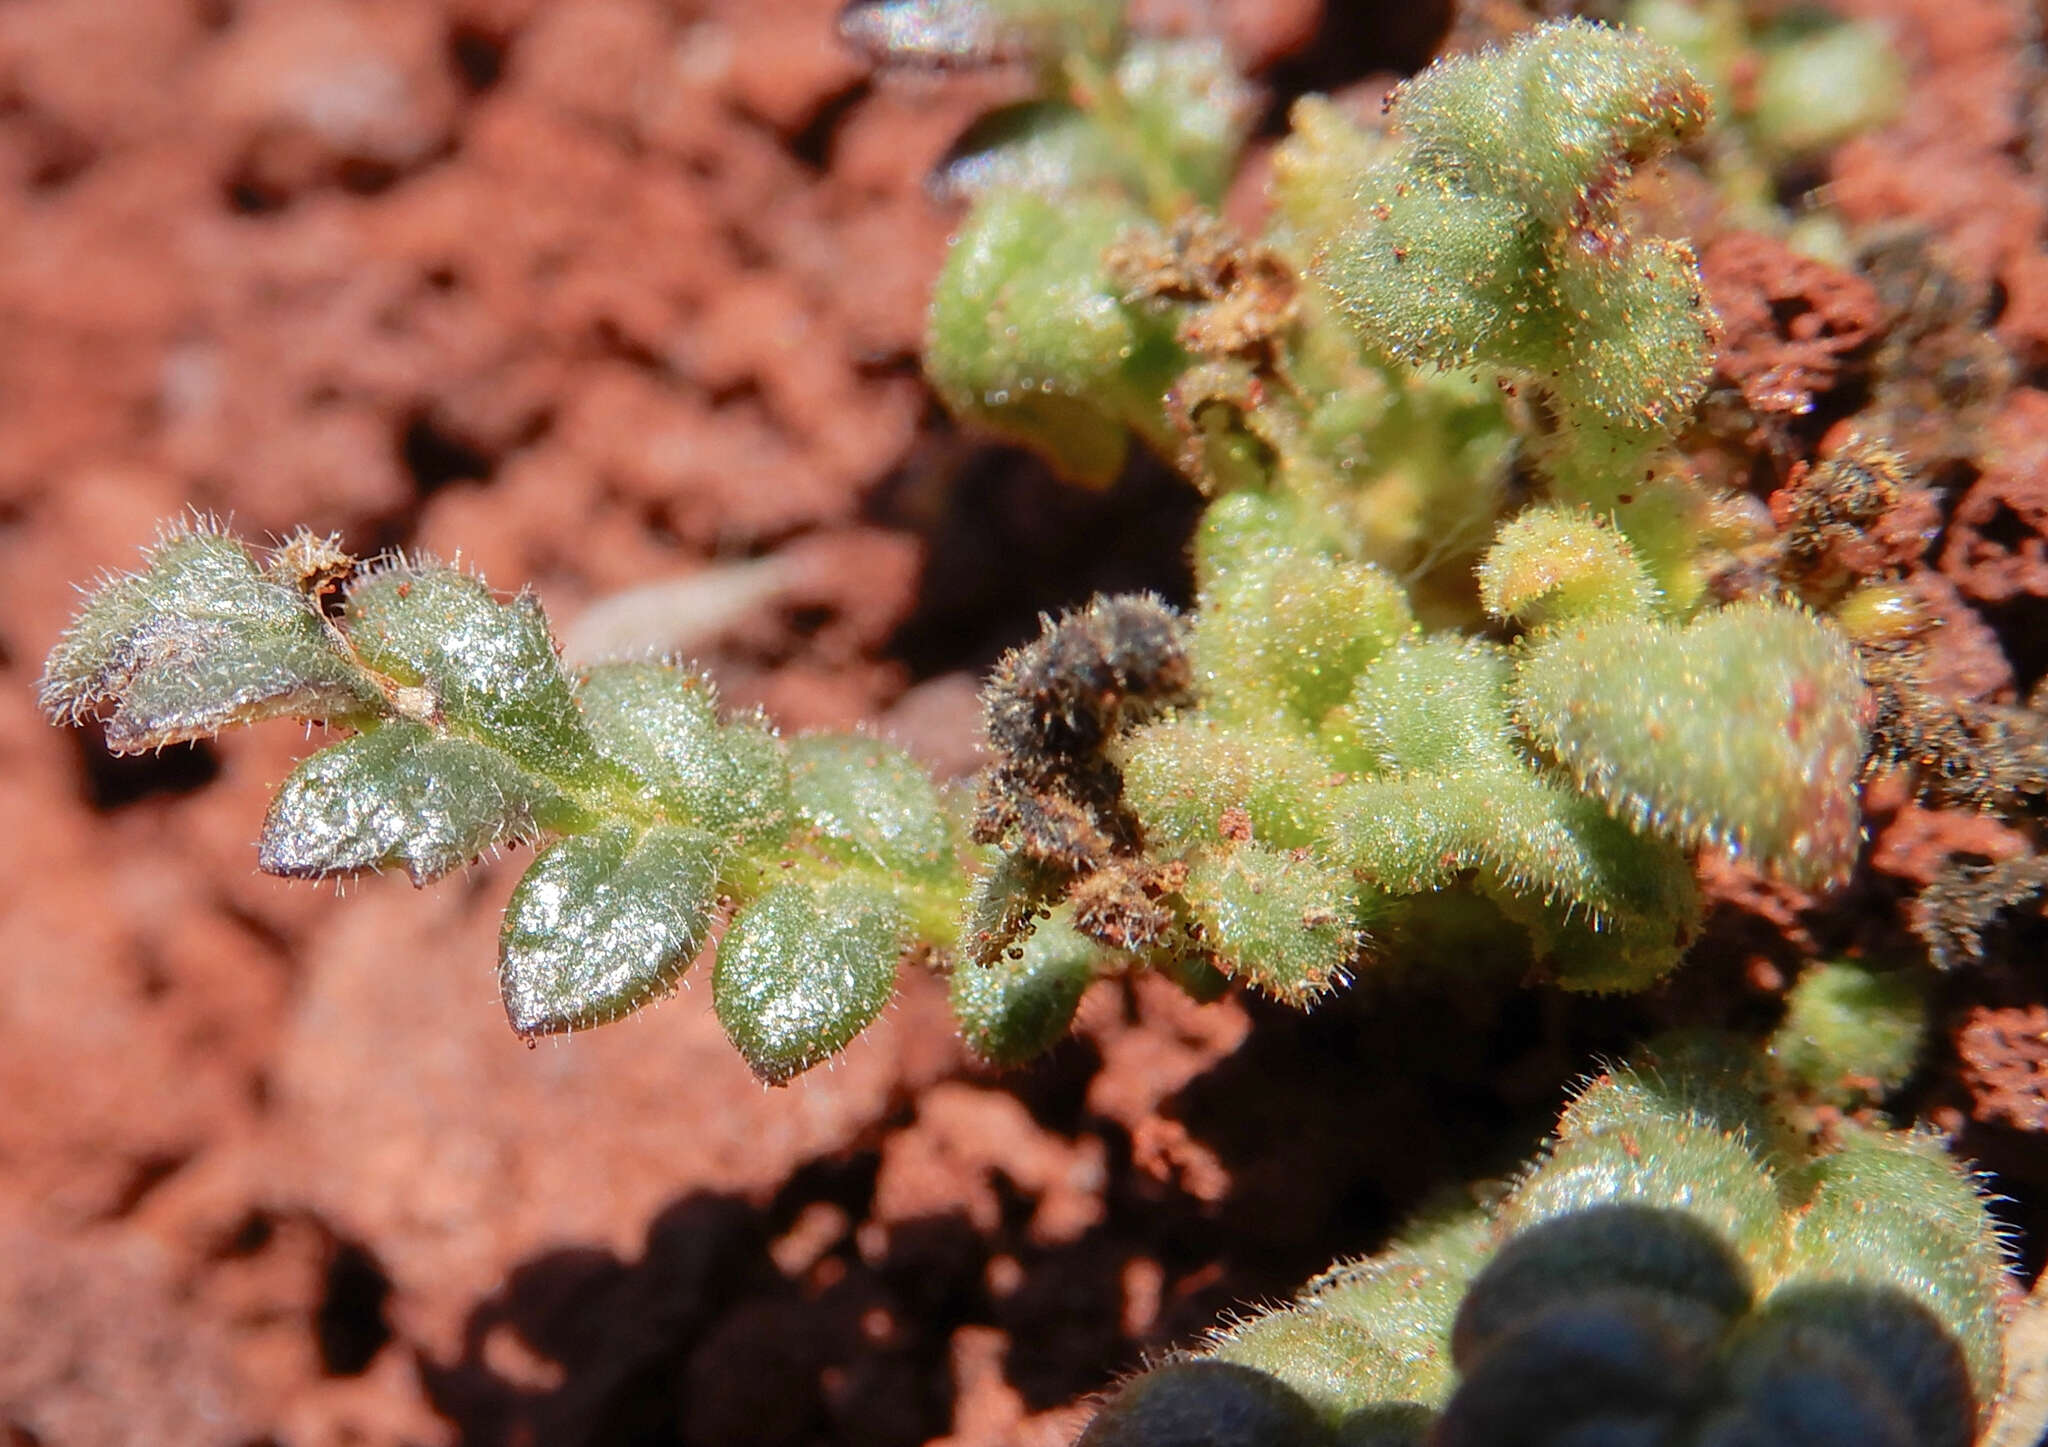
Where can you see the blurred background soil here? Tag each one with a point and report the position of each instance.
(598, 294)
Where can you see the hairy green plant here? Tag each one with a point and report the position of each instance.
(1677, 1269)
(649, 812)
(1263, 790)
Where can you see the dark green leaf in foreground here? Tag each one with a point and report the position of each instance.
(602, 923)
(803, 970)
(197, 641)
(399, 796)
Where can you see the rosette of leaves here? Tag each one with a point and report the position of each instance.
(1675, 1271)
(650, 813)
(1328, 760)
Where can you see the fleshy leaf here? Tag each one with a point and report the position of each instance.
(1013, 1010)
(198, 640)
(803, 970)
(1047, 146)
(1743, 729)
(1895, 1210)
(400, 796)
(1554, 563)
(1189, 112)
(1289, 925)
(1183, 775)
(1029, 338)
(1851, 1031)
(728, 779)
(868, 802)
(1492, 233)
(602, 923)
(1431, 720)
(489, 667)
(1295, 629)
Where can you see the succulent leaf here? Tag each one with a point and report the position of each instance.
(1492, 233)
(868, 802)
(978, 32)
(1851, 1030)
(1769, 769)
(1014, 1010)
(1288, 924)
(1659, 1277)
(1029, 338)
(1892, 1209)
(604, 922)
(1549, 564)
(1295, 633)
(1188, 113)
(1184, 775)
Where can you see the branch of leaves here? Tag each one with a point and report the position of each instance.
(650, 813)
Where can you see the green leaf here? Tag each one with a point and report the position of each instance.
(1851, 1031)
(1548, 120)
(1294, 629)
(197, 641)
(400, 796)
(1896, 1210)
(1029, 338)
(1552, 563)
(979, 32)
(803, 970)
(868, 802)
(728, 779)
(1493, 232)
(1743, 729)
(490, 667)
(1014, 1010)
(1047, 146)
(602, 923)
(1287, 924)
(1182, 774)
(1189, 107)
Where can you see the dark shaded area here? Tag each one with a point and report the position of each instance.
(477, 56)
(350, 1325)
(114, 781)
(1334, 1128)
(1355, 40)
(435, 457)
(813, 144)
(1007, 540)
